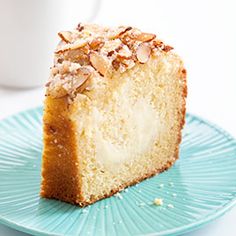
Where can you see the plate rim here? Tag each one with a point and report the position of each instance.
(175, 231)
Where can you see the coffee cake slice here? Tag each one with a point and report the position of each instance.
(113, 113)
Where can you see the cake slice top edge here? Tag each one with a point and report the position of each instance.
(92, 51)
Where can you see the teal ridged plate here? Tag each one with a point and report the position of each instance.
(200, 187)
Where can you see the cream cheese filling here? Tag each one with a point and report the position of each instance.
(142, 127)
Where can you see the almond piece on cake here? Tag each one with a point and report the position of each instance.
(113, 113)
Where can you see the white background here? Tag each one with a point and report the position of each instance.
(204, 34)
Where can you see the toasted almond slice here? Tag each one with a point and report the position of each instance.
(66, 36)
(123, 63)
(77, 82)
(76, 45)
(143, 52)
(94, 29)
(144, 37)
(124, 30)
(167, 48)
(86, 70)
(97, 43)
(80, 79)
(98, 62)
(118, 32)
(85, 86)
(62, 48)
(126, 39)
(78, 56)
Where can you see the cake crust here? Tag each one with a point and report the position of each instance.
(60, 173)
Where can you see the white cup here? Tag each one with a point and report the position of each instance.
(28, 37)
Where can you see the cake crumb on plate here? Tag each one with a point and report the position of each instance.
(158, 201)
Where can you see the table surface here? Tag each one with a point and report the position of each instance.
(204, 34)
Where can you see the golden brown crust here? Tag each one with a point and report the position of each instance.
(183, 77)
(60, 172)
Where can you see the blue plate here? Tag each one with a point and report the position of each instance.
(200, 187)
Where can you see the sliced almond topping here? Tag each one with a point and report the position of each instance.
(144, 37)
(89, 51)
(78, 56)
(86, 70)
(98, 62)
(116, 64)
(118, 32)
(110, 46)
(167, 48)
(66, 36)
(143, 52)
(124, 30)
(85, 86)
(158, 44)
(92, 29)
(62, 49)
(85, 73)
(77, 82)
(97, 43)
(128, 63)
(76, 45)
(126, 39)
(82, 75)
(124, 52)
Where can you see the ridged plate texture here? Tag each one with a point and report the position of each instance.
(200, 187)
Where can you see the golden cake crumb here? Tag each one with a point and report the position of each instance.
(158, 201)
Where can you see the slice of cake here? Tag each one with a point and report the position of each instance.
(113, 114)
